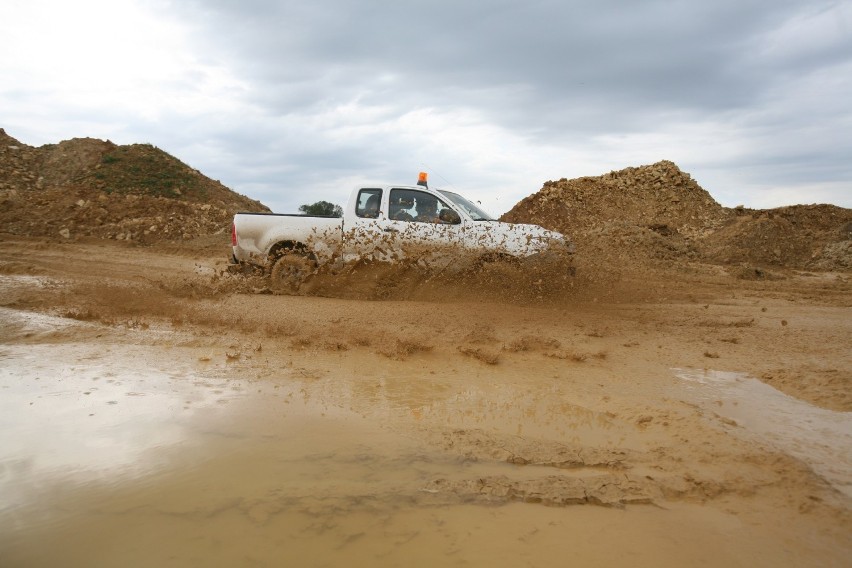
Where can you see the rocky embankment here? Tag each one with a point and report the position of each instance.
(653, 214)
(92, 188)
(660, 214)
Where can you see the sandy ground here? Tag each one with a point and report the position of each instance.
(158, 411)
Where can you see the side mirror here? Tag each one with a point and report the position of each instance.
(449, 216)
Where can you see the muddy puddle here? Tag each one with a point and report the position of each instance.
(819, 437)
(140, 456)
(145, 448)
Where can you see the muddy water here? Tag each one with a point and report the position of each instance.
(821, 438)
(124, 457)
(141, 453)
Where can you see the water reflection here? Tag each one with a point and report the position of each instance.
(535, 407)
(821, 438)
(91, 418)
(130, 455)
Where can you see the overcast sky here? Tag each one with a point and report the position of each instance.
(291, 102)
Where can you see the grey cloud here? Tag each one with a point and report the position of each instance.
(325, 89)
(558, 73)
(630, 58)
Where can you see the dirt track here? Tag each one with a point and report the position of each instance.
(618, 420)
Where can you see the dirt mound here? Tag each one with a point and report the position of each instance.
(816, 237)
(648, 216)
(648, 212)
(659, 197)
(92, 188)
(657, 214)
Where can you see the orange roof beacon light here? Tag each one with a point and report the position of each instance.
(421, 179)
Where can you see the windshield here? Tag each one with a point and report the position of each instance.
(475, 212)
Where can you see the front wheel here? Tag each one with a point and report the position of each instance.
(290, 272)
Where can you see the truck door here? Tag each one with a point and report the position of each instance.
(365, 235)
(423, 227)
(404, 223)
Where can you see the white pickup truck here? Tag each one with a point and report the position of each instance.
(433, 228)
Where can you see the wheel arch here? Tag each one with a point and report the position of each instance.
(497, 256)
(281, 248)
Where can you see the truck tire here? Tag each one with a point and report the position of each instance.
(290, 272)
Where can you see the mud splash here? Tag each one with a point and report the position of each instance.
(498, 280)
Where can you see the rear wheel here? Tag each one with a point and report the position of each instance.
(291, 271)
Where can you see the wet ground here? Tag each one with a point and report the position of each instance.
(257, 430)
(819, 437)
(122, 456)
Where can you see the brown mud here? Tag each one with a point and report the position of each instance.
(159, 410)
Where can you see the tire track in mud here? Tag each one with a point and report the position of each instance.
(556, 474)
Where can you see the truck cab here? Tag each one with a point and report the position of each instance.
(388, 220)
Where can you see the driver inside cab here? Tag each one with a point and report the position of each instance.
(427, 210)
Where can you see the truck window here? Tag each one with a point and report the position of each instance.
(472, 210)
(413, 205)
(369, 202)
